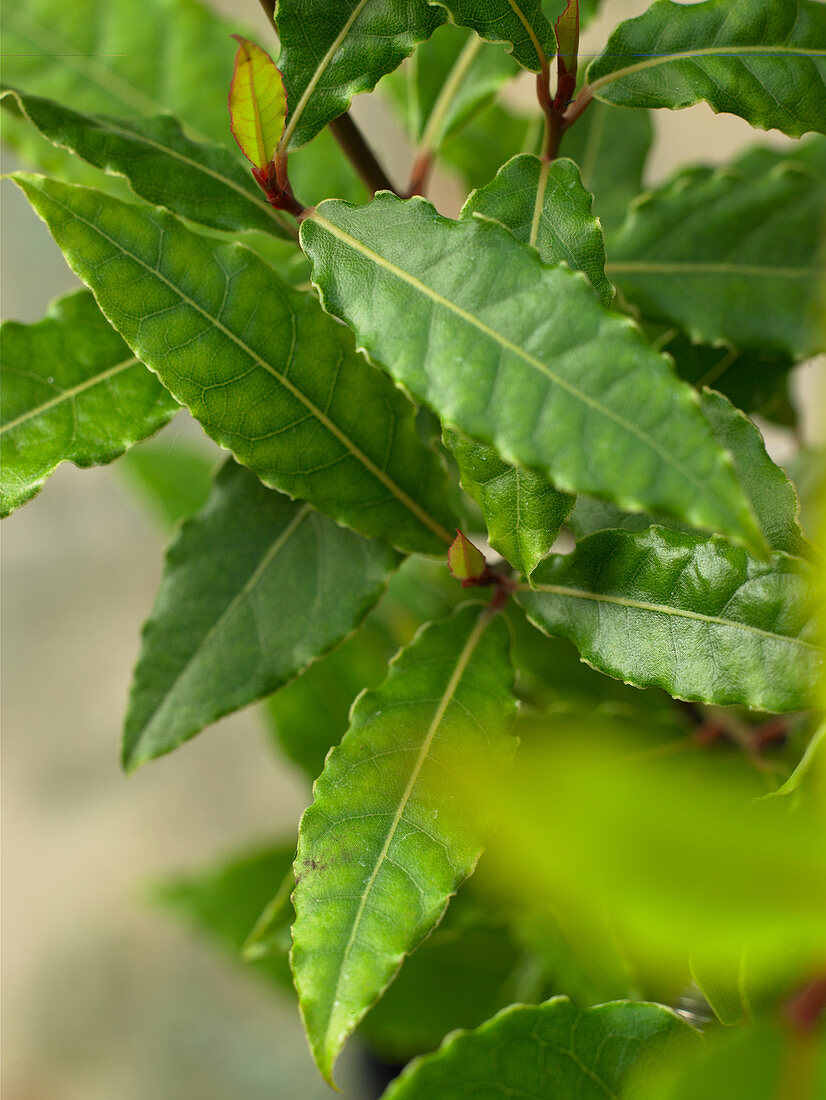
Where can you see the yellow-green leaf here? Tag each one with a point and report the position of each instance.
(257, 103)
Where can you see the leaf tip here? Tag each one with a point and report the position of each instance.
(466, 561)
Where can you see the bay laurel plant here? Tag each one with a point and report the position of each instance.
(495, 535)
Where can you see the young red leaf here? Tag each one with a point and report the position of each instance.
(467, 564)
(257, 104)
(567, 37)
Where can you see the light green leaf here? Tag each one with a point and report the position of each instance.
(330, 53)
(764, 60)
(257, 104)
(771, 494)
(531, 362)
(386, 841)
(517, 22)
(553, 1049)
(522, 510)
(266, 373)
(587, 10)
(172, 475)
(728, 256)
(447, 81)
(118, 59)
(493, 137)
(546, 205)
(695, 616)
(255, 587)
(224, 902)
(611, 147)
(72, 391)
(205, 183)
(810, 773)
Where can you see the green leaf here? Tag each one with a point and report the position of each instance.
(172, 475)
(771, 494)
(329, 53)
(607, 416)
(695, 616)
(204, 183)
(311, 714)
(522, 510)
(517, 22)
(493, 137)
(466, 970)
(553, 1049)
(225, 901)
(611, 147)
(728, 255)
(119, 59)
(255, 587)
(447, 81)
(257, 103)
(266, 373)
(72, 391)
(320, 171)
(754, 381)
(386, 842)
(545, 205)
(761, 59)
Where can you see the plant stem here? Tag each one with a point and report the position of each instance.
(583, 99)
(360, 155)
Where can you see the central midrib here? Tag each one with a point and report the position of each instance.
(531, 360)
(395, 489)
(664, 609)
(482, 622)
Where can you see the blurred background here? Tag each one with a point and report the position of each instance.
(104, 995)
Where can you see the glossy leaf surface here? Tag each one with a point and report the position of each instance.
(545, 205)
(266, 373)
(530, 363)
(389, 837)
(255, 587)
(695, 616)
(205, 183)
(257, 103)
(521, 23)
(610, 147)
(553, 1049)
(72, 391)
(764, 60)
(769, 490)
(731, 255)
(522, 510)
(329, 53)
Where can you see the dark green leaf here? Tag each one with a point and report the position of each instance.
(493, 137)
(205, 183)
(611, 147)
(517, 22)
(255, 587)
(266, 373)
(522, 510)
(695, 616)
(764, 60)
(329, 53)
(387, 840)
(729, 256)
(606, 414)
(754, 381)
(553, 1049)
(72, 391)
(172, 475)
(545, 205)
